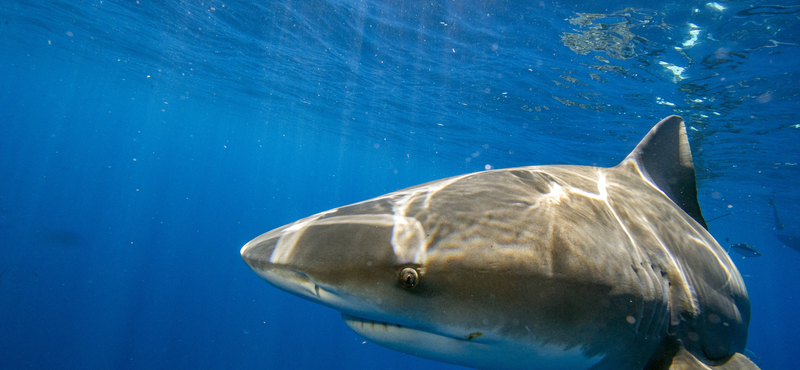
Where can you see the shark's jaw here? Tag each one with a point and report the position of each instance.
(476, 350)
(481, 348)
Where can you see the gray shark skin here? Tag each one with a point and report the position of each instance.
(542, 267)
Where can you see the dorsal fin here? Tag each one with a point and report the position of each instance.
(665, 157)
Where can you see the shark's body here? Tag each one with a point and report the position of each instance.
(791, 241)
(788, 239)
(543, 267)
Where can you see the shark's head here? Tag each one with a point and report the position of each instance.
(373, 264)
(406, 273)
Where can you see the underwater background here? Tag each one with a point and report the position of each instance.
(142, 143)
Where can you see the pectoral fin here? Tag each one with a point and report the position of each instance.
(684, 360)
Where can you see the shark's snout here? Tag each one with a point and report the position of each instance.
(260, 253)
(323, 259)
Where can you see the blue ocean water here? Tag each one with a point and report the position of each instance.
(142, 143)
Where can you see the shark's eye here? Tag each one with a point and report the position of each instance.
(409, 277)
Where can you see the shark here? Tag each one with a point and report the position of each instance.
(539, 267)
(788, 239)
(778, 224)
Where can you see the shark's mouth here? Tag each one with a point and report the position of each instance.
(473, 349)
(369, 328)
(367, 324)
(418, 341)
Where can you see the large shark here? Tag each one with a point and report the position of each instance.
(542, 267)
